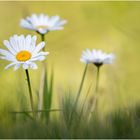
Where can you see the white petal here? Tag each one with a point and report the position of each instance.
(42, 31)
(25, 66)
(56, 28)
(21, 40)
(40, 54)
(9, 47)
(39, 58)
(6, 53)
(62, 22)
(13, 42)
(28, 41)
(54, 19)
(33, 66)
(17, 66)
(26, 24)
(39, 47)
(109, 59)
(10, 65)
(33, 43)
(9, 58)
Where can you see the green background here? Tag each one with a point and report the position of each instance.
(113, 27)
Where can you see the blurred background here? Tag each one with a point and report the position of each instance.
(113, 27)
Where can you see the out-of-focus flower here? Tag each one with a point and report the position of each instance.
(42, 23)
(98, 57)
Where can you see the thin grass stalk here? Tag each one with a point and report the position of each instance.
(44, 110)
(78, 95)
(95, 102)
(30, 91)
(82, 109)
(96, 89)
(47, 98)
(27, 113)
(41, 90)
(97, 78)
(84, 102)
(42, 82)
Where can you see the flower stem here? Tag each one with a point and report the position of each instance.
(30, 91)
(78, 95)
(81, 113)
(96, 90)
(43, 39)
(42, 81)
(97, 79)
(94, 105)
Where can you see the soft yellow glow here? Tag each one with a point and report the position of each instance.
(23, 56)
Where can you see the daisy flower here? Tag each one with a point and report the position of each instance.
(42, 23)
(23, 51)
(97, 57)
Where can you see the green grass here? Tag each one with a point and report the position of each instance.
(120, 124)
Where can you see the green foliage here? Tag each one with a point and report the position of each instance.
(47, 93)
(120, 124)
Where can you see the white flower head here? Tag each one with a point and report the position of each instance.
(23, 51)
(42, 23)
(96, 57)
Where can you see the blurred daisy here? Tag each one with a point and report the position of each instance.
(97, 57)
(42, 23)
(23, 51)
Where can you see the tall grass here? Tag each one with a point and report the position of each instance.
(124, 123)
(47, 94)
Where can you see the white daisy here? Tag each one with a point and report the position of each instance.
(23, 51)
(97, 57)
(42, 23)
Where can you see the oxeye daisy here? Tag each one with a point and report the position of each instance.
(23, 51)
(98, 58)
(42, 23)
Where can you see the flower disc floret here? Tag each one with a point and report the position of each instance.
(23, 56)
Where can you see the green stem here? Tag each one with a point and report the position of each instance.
(96, 88)
(94, 105)
(42, 81)
(43, 39)
(30, 91)
(45, 110)
(97, 79)
(81, 113)
(78, 95)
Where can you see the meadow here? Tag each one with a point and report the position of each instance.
(113, 27)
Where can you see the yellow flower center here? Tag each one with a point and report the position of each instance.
(41, 27)
(23, 56)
